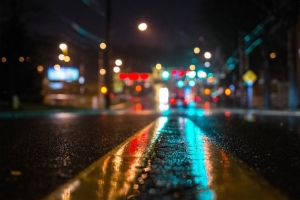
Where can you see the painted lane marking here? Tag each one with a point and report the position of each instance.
(114, 175)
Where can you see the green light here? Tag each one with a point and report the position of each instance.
(210, 75)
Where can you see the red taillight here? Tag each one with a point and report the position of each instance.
(172, 101)
(198, 99)
(185, 101)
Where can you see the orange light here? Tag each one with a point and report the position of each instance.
(211, 79)
(227, 92)
(206, 105)
(138, 106)
(103, 90)
(138, 88)
(207, 91)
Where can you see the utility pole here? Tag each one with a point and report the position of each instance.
(107, 54)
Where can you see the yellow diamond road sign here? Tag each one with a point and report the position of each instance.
(249, 76)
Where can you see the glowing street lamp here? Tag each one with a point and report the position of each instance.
(102, 46)
(142, 26)
(207, 55)
(158, 66)
(63, 46)
(118, 62)
(196, 50)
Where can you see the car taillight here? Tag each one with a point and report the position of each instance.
(172, 101)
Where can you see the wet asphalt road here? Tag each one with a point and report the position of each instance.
(268, 144)
(45, 152)
(48, 151)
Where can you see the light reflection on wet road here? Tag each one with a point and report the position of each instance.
(179, 161)
(169, 159)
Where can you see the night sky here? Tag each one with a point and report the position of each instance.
(169, 22)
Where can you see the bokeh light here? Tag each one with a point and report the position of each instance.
(102, 71)
(102, 45)
(158, 66)
(61, 57)
(192, 67)
(67, 59)
(118, 62)
(57, 67)
(207, 55)
(207, 91)
(138, 88)
(142, 26)
(196, 50)
(63, 46)
(40, 68)
(21, 59)
(273, 55)
(3, 59)
(103, 90)
(116, 69)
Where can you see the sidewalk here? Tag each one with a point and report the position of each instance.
(169, 159)
(31, 110)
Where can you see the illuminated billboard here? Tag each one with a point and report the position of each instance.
(62, 73)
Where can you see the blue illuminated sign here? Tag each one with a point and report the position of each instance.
(67, 74)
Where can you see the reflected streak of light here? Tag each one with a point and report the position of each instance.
(163, 107)
(66, 194)
(138, 107)
(196, 149)
(163, 95)
(64, 115)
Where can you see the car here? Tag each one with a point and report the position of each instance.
(178, 102)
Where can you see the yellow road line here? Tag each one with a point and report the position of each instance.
(117, 175)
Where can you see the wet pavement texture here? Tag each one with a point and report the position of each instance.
(270, 145)
(39, 154)
(186, 165)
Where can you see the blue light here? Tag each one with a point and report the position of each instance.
(180, 83)
(67, 74)
(165, 75)
(197, 154)
(192, 83)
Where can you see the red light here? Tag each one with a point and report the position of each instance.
(227, 114)
(172, 101)
(111, 95)
(215, 99)
(123, 76)
(134, 76)
(185, 101)
(181, 72)
(198, 99)
(174, 72)
(144, 76)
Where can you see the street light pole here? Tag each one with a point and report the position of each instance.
(107, 54)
